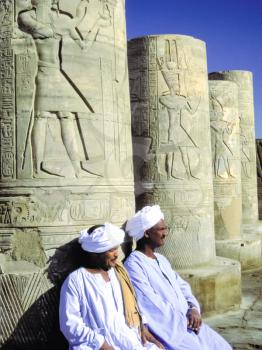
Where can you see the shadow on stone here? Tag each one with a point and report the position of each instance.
(38, 327)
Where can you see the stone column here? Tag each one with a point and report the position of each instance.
(66, 150)
(224, 120)
(172, 155)
(244, 81)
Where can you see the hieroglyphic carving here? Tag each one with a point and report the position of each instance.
(64, 102)
(224, 122)
(246, 154)
(31, 212)
(174, 69)
(48, 26)
(221, 134)
(65, 118)
(244, 82)
(171, 136)
(7, 107)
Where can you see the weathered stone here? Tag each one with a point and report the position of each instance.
(210, 284)
(247, 250)
(224, 122)
(28, 246)
(251, 338)
(243, 79)
(242, 328)
(66, 150)
(170, 121)
(62, 162)
(172, 159)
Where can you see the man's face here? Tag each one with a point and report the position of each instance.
(108, 259)
(157, 234)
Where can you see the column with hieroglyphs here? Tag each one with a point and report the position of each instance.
(172, 158)
(244, 81)
(225, 139)
(66, 150)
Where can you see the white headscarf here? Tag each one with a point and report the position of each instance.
(101, 239)
(143, 220)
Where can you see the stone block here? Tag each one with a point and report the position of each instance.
(217, 286)
(246, 250)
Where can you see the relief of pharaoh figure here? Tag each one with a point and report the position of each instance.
(221, 131)
(245, 153)
(56, 95)
(178, 104)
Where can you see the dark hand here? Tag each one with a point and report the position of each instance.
(147, 336)
(106, 346)
(194, 320)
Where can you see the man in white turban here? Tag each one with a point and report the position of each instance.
(97, 308)
(171, 310)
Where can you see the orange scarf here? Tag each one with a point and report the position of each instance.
(132, 315)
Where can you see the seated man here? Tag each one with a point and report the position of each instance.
(166, 300)
(97, 304)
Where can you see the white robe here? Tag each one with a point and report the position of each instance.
(163, 298)
(91, 311)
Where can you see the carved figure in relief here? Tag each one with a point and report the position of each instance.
(56, 95)
(173, 68)
(245, 153)
(5, 11)
(221, 131)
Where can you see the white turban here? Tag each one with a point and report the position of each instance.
(101, 239)
(143, 220)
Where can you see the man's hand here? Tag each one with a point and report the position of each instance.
(147, 336)
(106, 346)
(194, 320)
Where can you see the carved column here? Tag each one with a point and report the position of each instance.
(225, 137)
(224, 123)
(66, 150)
(172, 149)
(244, 81)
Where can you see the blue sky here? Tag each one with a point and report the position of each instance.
(232, 30)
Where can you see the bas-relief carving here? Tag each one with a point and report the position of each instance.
(164, 95)
(169, 99)
(221, 132)
(7, 138)
(64, 110)
(224, 122)
(69, 96)
(178, 105)
(243, 79)
(196, 229)
(63, 208)
(55, 94)
(246, 148)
